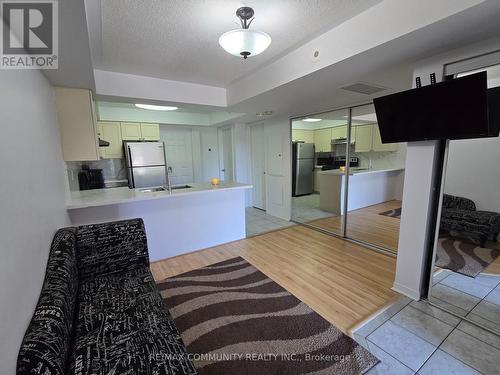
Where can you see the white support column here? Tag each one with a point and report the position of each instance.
(416, 219)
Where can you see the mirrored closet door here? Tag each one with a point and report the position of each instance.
(319, 147)
(466, 277)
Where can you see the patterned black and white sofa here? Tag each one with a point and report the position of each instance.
(460, 217)
(99, 310)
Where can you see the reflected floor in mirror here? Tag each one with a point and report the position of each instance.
(374, 224)
(306, 209)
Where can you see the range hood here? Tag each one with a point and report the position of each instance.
(103, 143)
(340, 141)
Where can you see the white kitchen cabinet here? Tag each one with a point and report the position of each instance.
(150, 132)
(339, 132)
(111, 132)
(364, 138)
(377, 142)
(77, 124)
(353, 134)
(303, 135)
(135, 131)
(131, 131)
(323, 139)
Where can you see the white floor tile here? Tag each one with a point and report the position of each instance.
(402, 344)
(422, 325)
(442, 363)
(388, 365)
(473, 352)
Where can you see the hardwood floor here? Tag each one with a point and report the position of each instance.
(494, 268)
(366, 224)
(342, 281)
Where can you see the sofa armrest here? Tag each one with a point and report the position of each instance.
(111, 247)
(47, 340)
(458, 203)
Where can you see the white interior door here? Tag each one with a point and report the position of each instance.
(179, 154)
(258, 156)
(226, 149)
(278, 169)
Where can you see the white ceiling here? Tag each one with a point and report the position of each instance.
(178, 40)
(184, 115)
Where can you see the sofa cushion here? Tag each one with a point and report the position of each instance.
(111, 247)
(130, 333)
(45, 346)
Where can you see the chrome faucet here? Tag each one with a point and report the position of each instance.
(169, 184)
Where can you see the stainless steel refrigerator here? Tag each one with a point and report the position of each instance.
(302, 168)
(146, 164)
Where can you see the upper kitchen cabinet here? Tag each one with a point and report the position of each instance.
(377, 142)
(364, 138)
(303, 135)
(111, 132)
(339, 132)
(131, 131)
(323, 139)
(77, 124)
(135, 131)
(150, 132)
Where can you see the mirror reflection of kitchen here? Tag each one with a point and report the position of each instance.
(376, 175)
(318, 143)
(466, 280)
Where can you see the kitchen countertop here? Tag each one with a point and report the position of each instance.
(110, 196)
(337, 172)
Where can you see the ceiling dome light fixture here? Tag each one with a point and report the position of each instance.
(245, 42)
(152, 107)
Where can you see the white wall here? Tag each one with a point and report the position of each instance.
(32, 200)
(473, 172)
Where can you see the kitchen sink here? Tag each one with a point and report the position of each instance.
(181, 187)
(152, 190)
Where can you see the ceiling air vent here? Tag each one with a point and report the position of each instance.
(363, 88)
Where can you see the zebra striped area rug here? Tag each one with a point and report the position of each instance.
(463, 256)
(392, 213)
(235, 320)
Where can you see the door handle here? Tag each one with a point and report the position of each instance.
(222, 170)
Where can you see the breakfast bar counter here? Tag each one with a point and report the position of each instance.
(182, 221)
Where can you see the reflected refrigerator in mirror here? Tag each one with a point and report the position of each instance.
(318, 183)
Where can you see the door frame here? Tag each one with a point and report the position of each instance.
(251, 163)
(220, 140)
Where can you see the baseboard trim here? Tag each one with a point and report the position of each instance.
(409, 292)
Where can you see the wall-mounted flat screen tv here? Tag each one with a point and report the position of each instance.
(454, 109)
(494, 111)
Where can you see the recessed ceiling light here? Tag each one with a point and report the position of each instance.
(310, 119)
(152, 107)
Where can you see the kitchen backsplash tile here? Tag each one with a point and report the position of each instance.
(112, 169)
